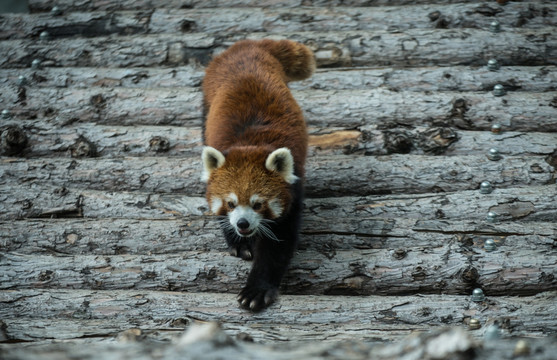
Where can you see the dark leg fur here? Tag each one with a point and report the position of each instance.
(271, 259)
(242, 248)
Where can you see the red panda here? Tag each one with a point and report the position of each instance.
(256, 144)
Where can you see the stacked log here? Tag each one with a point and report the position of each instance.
(104, 229)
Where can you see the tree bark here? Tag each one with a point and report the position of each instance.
(525, 204)
(214, 341)
(412, 47)
(297, 318)
(73, 5)
(50, 140)
(449, 267)
(354, 175)
(534, 14)
(454, 78)
(381, 108)
(102, 212)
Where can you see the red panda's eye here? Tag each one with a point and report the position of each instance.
(231, 205)
(256, 206)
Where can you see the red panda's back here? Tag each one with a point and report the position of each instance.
(248, 101)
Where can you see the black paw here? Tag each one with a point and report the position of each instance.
(243, 251)
(256, 298)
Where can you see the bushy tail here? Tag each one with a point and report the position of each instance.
(297, 59)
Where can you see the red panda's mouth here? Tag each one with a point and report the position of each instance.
(245, 232)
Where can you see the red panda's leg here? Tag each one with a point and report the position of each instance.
(242, 249)
(271, 259)
(237, 246)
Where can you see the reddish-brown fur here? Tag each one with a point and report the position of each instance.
(243, 174)
(257, 145)
(249, 102)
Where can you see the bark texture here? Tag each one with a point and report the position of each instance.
(328, 175)
(107, 250)
(379, 107)
(533, 14)
(412, 47)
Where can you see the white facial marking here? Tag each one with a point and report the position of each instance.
(233, 198)
(255, 199)
(247, 213)
(216, 205)
(276, 207)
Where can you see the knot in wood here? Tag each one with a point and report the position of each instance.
(460, 106)
(98, 101)
(489, 11)
(14, 140)
(46, 276)
(399, 254)
(434, 15)
(437, 140)
(83, 148)
(398, 142)
(418, 273)
(180, 323)
(26, 204)
(159, 144)
(470, 275)
(187, 26)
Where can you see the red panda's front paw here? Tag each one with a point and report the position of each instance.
(256, 299)
(242, 251)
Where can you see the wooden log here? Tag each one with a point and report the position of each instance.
(115, 236)
(354, 175)
(412, 47)
(74, 5)
(48, 139)
(455, 78)
(525, 204)
(157, 21)
(295, 318)
(212, 341)
(381, 108)
(86, 77)
(450, 267)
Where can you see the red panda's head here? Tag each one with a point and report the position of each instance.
(250, 185)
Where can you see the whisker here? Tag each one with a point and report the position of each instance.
(266, 231)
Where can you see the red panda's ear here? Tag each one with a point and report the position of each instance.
(281, 161)
(212, 160)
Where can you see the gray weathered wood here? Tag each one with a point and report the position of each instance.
(532, 203)
(210, 340)
(214, 341)
(322, 318)
(525, 15)
(76, 5)
(114, 236)
(449, 267)
(412, 47)
(102, 190)
(519, 111)
(454, 78)
(48, 139)
(354, 175)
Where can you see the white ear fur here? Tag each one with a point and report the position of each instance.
(212, 160)
(281, 161)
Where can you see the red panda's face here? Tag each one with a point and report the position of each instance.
(248, 190)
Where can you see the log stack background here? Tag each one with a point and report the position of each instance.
(104, 228)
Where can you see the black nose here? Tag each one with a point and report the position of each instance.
(242, 224)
